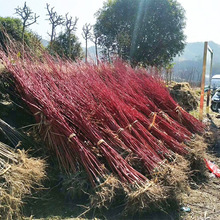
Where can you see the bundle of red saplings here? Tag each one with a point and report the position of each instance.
(95, 117)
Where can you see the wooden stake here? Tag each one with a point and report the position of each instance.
(203, 81)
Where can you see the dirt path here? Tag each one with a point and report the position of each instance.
(204, 197)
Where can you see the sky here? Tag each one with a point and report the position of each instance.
(202, 16)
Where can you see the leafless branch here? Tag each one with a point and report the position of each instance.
(55, 20)
(27, 16)
(71, 24)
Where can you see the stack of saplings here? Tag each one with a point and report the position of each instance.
(108, 119)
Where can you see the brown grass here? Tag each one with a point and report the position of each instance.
(19, 180)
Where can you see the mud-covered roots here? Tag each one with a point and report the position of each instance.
(166, 184)
(196, 159)
(17, 181)
(173, 175)
(134, 198)
(107, 192)
(149, 196)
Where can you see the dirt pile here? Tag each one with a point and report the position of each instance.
(184, 95)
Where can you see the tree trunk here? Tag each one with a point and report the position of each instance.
(23, 29)
(69, 45)
(86, 51)
(96, 53)
(170, 75)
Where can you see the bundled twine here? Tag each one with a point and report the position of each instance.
(154, 114)
(101, 141)
(120, 130)
(129, 127)
(71, 136)
(164, 116)
(179, 109)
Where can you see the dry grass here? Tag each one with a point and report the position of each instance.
(17, 181)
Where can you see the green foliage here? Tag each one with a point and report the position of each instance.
(147, 32)
(13, 28)
(66, 45)
(33, 41)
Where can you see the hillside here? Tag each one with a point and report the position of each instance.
(194, 51)
(45, 42)
(188, 66)
(91, 53)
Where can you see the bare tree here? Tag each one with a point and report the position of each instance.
(70, 27)
(94, 38)
(169, 71)
(55, 20)
(27, 16)
(86, 35)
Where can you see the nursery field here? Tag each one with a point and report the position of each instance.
(108, 142)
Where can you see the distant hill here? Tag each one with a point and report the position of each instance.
(194, 51)
(188, 66)
(91, 53)
(44, 42)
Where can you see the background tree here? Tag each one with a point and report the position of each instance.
(67, 44)
(86, 35)
(147, 32)
(169, 72)
(61, 46)
(70, 25)
(55, 21)
(27, 16)
(13, 28)
(94, 38)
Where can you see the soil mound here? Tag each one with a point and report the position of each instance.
(184, 95)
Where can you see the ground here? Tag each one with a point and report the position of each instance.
(204, 199)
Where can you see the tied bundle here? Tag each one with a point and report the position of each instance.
(99, 117)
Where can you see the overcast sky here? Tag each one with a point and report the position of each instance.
(202, 15)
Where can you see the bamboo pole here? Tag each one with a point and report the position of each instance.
(203, 81)
(210, 77)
